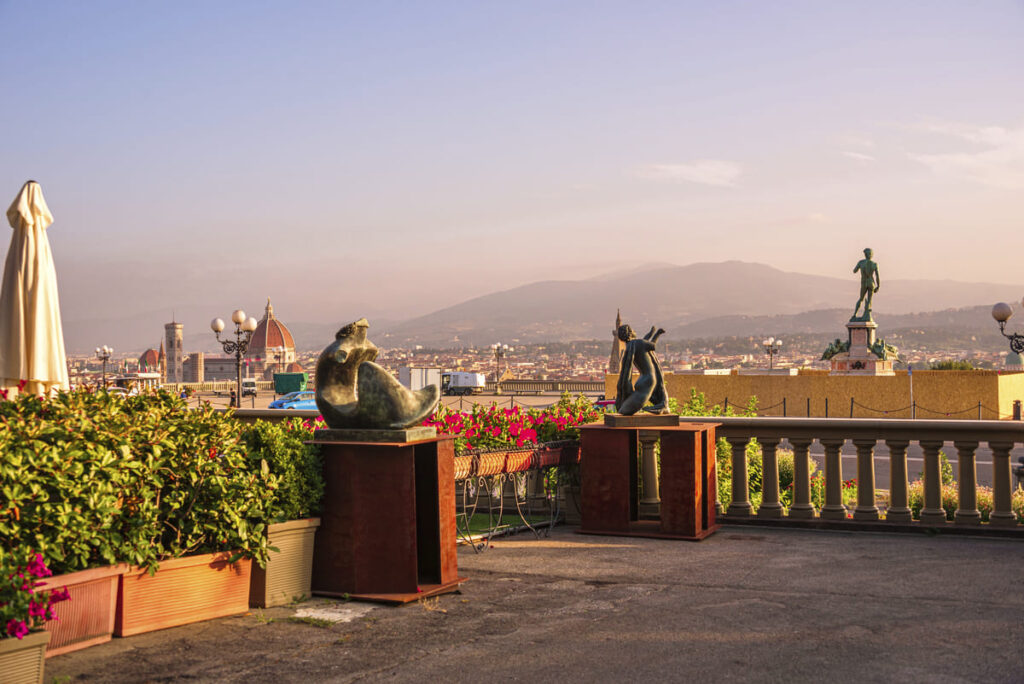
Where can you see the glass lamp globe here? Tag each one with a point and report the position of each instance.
(1002, 312)
(238, 317)
(249, 325)
(217, 325)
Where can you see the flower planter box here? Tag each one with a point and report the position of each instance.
(183, 590)
(21, 660)
(520, 461)
(463, 467)
(289, 569)
(492, 463)
(88, 618)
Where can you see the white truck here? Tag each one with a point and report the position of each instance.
(418, 378)
(459, 382)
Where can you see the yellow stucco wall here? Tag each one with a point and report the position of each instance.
(937, 393)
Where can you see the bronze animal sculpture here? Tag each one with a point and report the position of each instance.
(353, 392)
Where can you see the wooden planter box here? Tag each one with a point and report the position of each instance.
(289, 570)
(88, 618)
(21, 660)
(183, 590)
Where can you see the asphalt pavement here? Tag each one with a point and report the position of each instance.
(745, 605)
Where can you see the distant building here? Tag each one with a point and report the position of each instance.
(194, 367)
(1013, 362)
(272, 348)
(618, 346)
(175, 355)
(219, 367)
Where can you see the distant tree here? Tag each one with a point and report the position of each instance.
(950, 364)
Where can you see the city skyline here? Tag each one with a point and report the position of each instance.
(388, 160)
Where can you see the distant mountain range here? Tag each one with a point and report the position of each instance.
(699, 300)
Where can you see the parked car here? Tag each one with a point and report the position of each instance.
(286, 399)
(302, 405)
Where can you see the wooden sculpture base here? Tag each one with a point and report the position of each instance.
(387, 530)
(610, 483)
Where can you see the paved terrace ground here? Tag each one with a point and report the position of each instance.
(748, 604)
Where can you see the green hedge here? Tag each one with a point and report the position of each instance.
(88, 478)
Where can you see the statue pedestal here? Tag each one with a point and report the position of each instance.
(859, 359)
(387, 530)
(609, 481)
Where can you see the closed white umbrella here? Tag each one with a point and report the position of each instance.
(31, 337)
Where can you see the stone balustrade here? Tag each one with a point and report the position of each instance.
(866, 434)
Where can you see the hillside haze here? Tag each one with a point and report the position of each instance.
(698, 300)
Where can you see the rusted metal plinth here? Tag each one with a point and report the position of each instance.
(609, 482)
(387, 531)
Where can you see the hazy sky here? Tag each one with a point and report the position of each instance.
(390, 158)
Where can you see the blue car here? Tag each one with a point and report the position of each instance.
(302, 405)
(283, 402)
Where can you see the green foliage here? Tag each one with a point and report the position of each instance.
(697, 405)
(281, 448)
(950, 364)
(946, 469)
(89, 478)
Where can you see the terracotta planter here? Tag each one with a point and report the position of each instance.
(88, 618)
(21, 660)
(520, 461)
(492, 463)
(463, 467)
(289, 569)
(183, 590)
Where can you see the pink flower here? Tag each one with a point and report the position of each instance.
(36, 610)
(17, 629)
(37, 567)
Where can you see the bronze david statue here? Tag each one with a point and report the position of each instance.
(650, 386)
(869, 282)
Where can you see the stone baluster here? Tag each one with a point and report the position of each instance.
(740, 505)
(967, 512)
(770, 506)
(650, 504)
(1002, 511)
(932, 513)
(866, 508)
(899, 492)
(802, 506)
(833, 508)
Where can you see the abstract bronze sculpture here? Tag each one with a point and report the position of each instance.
(353, 392)
(650, 386)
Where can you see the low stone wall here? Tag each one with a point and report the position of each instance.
(936, 394)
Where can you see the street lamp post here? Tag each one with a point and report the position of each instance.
(244, 328)
(499, 350)
(103, 354)
(1002, 312)
(771, 348)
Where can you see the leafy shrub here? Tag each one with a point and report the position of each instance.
(281, 449)
(89, 478)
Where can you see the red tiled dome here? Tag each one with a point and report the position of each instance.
(294, 367)
(149, 359)
(270, 334)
